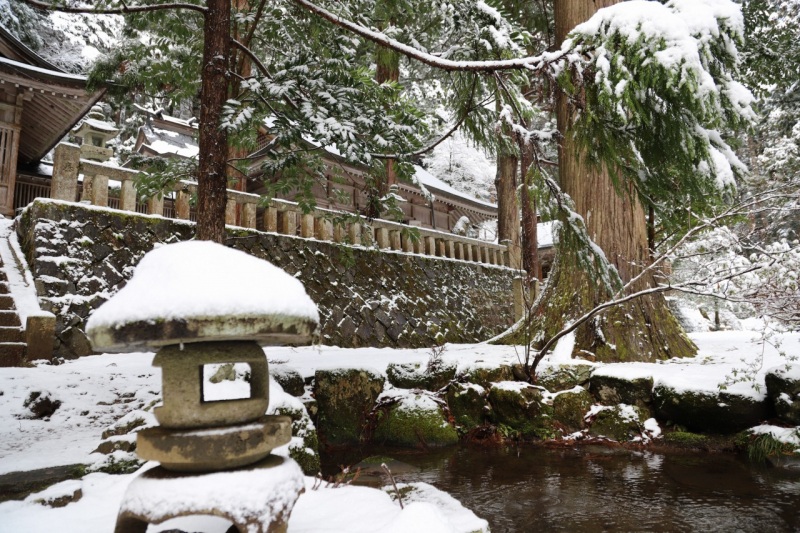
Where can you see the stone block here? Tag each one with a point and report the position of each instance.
(212, 449)
(345, 399)
(182, 386)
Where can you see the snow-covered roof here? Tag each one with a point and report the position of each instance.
(434, 184)
(544, 234)
(166, 142)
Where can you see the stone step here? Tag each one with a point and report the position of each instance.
(9, 319)
(4, 288)
(11, 335)
(12, 353)
(6, 302)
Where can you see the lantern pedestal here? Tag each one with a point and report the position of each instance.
(257, 499)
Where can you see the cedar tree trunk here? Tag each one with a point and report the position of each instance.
(212, 178)
(643, 330)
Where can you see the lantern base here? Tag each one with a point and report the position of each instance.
(213, 449)
(256, 499)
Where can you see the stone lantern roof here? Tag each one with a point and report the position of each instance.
(192, 292)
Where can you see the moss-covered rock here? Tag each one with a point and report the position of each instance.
(420, 376)
(288, 378)
(304, 446)
(521, 407)
(570, 407)
(345, 399)
(621, 423)
(783, 391)
(610, 390)
(467, 404)
(700, 411)
(686, 439)
(564, 377)
(413, 420)
(486, 376)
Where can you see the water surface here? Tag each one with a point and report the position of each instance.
(599, 489)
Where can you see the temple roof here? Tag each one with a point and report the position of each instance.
(53, 100)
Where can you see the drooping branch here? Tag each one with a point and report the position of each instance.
(123, 10)
(534, 63)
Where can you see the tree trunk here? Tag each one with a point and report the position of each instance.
(212, 176)
(643, 330)
(387, 64)
(530, 237)
(507, 215)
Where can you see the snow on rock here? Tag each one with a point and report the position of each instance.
(203, 279)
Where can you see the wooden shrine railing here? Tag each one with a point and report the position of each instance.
(279, 216)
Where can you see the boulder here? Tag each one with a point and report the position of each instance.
(420, 376)
(413, 419)
(288, 378)
(783, 391)
(521, 407)
(622, 423)
(701, 411)
(611, 390)
(570, 408)
(486, 376)
(304, 446)
(564, 377)
(41, 404)
(345, 398)
(467, 404)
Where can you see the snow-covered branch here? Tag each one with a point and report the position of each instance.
(124, 9)
(533, 63)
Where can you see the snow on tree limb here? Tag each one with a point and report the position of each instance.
(67, 6)
(533, 63)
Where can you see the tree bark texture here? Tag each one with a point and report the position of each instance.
(530, 219)
(505, 183)
(643, 330)
(212, 175)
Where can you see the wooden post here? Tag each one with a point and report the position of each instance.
(288, 224)
(338, 232)
(307, 225)
(382, 238)
(230, 212)
(155, 205)
(271, 219)
(430, 246)
(127, 196)
(182, 208)
(86, 190)
(323, 229)
(249, 215)
(408, 244)
(354, 232)
(100, 191)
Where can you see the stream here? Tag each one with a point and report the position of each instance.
(595, 488)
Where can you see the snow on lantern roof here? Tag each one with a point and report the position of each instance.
(224, 294)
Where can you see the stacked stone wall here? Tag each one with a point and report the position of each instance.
(81, 255)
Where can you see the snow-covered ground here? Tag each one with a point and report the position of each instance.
(95, 391)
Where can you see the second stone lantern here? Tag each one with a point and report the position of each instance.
(199, 304)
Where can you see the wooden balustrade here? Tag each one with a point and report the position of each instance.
(280, 216)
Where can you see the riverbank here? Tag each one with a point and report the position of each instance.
(80, 400)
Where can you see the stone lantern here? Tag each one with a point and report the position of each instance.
(200, 303)
(96, 132)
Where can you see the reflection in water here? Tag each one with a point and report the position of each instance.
(599, 489)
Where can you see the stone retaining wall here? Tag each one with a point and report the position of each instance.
(80, 255)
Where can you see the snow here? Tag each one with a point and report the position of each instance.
(203, 279)
(98, 390)
(20, 282)
(722, 355)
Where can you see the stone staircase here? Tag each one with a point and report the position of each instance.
(12, 337)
